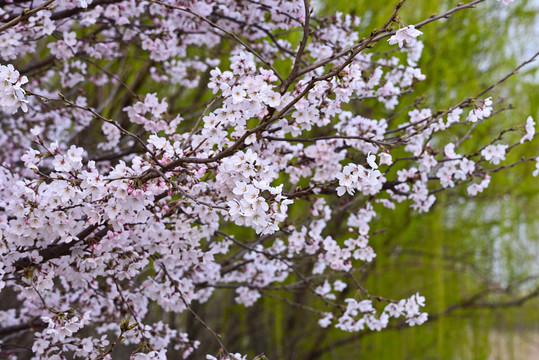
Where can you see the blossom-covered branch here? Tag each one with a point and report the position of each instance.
(143, 137)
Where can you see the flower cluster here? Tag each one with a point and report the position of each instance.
(494, 153)
(361, 314)
(11, 94)
(530, 130)
(480, 111)
(404, 36)
(356, 177)
(61, 326)
(156, 111)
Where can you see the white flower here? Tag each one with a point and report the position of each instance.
(467, 166)
(404, 36)
(11, 94)
(536, 171)
(474, 189)
(246, 296)
(395, 309)
(159, 143)
(480, 112)
(385, 158)
(420, 319)
(238, 94)
(251, 194)
(240, 189)
(494, 153)
(371, 160)
(61, 164)
(84, 3)
(449, 151)
(339, 285)
(453, 116)
(36, 130)
(39, 346)
(141, 356)
(326, 320)
(74, 155)
(530, 130)
(31, 159)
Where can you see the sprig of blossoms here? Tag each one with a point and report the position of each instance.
(361, 314)
(530, 130)
(494, 153)
(11, 94)
(356, 177)
(404, 36)
(480, 111)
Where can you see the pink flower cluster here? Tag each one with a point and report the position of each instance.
(11, 94)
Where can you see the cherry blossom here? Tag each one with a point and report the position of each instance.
(536, 171)
(530, 130)
(482, 110)
(144, 170)
(494, 153)
(404, 36)
(11, 94)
